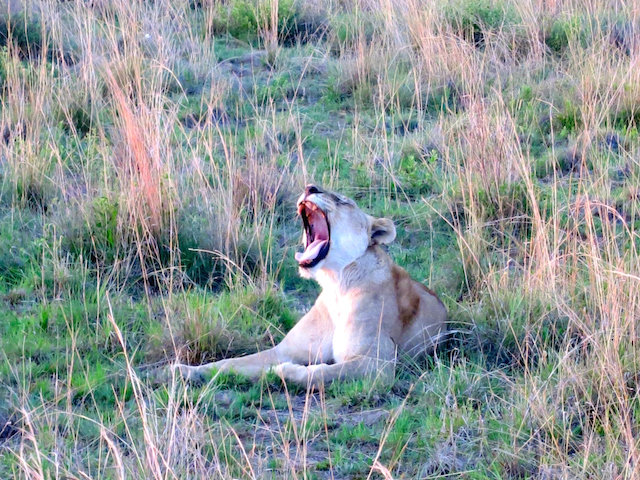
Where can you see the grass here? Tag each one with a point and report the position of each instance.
(151, 156)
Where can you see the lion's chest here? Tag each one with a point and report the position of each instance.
(340, 312)
(347, 337)
(336, 306)
(356, 326)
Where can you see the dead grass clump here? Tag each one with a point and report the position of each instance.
(489, 151)
(26, 161)
(446, 61)
(358, 73)
(493, 206)
(203, 328)
(260, 189)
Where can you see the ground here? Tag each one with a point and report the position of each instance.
(150, 159)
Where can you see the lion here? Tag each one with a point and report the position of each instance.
(369, 309)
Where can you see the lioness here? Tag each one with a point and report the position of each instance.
(368, 309)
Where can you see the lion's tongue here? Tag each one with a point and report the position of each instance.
(311, 252)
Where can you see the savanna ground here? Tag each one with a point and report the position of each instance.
(150, 158)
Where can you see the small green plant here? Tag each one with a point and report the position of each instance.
(19, 246)
(99, 236)
(576, 31)
(627, 119)
(568, 119)
(4, 58)
(349, 28)
(415, 174)
(471, 19)
(77, 118)
(560, 33)
(248, 19)
(22, 31)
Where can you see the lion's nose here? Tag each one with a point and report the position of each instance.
(310, 190)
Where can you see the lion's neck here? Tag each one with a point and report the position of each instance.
(328, 279)
(363, 270)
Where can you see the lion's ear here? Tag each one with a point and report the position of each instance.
(383, 231)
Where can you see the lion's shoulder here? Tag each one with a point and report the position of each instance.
(407, 296)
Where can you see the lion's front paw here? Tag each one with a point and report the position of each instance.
(292, 372)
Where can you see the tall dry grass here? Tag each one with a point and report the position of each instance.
(529, 258)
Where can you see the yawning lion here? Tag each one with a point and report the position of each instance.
(369, 308)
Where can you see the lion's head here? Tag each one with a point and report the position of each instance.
(336, 232)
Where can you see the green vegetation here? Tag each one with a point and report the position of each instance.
(151, 154)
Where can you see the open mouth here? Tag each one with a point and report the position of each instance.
(317, 236)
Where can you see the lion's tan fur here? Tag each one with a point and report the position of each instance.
(369, 309)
